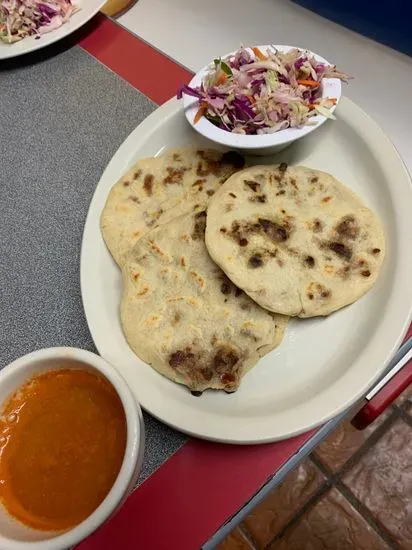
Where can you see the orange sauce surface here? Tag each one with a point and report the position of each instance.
(62, 443)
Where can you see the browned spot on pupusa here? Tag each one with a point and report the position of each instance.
(314, 179)
(283, 167)
(137, 174)
(365, 273)
(317, 226)
(182, 262)
(341, 250)
(174, 175)
(223, 230)
(199, 226)
(224, 360)
(245, 306)
(277, 233)
(182, 358)
(348, 227)
(176, 318)
(156, 249)
(225, 287)
(229, 207)
(176, 157)
(376, 251)
(255, 261)
(134, 199)
(293, 183)
(292, 251)
(326, 199)
(258, 198)
(253, 185)
(144, 291)
(344, 271)
(249, 334)
(309, 261)
(206, 166)
(198, 278)
(212, 164)
(317, 290)
(232, 195)
(126, 183)
(210, 192)
(207, 374)
(148, 184)
(198, 183)
(136, 276)
(281, 192)
(239, 231)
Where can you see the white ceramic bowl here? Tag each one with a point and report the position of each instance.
(16, 536)
(265, 144)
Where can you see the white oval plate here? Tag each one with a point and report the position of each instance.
(323, 365)
(88, 8)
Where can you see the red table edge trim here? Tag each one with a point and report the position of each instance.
(204, 483)
(148, 70)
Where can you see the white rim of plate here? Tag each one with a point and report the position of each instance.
(346, 391)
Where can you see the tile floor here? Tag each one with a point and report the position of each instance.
(353, 493)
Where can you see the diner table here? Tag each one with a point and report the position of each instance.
(64, 111)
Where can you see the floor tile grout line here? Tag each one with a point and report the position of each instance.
(403, 413)
(324, 468)
(359, 453)
(367, 515)
(310, 503)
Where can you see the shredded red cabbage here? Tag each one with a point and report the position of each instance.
(255, 92)
(22, 18)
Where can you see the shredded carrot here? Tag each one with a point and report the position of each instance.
(333, 100)
(222, 79)
(251, 99)
(202, 110)
(310, 83)
(259, 54)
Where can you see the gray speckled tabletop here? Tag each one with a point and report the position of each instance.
(61, 120)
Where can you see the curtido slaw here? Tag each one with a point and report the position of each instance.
(22, 18)
(251, 92)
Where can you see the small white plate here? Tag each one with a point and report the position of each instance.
(88, 8)
(323, 365)
(264, 143)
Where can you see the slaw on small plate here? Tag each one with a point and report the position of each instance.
(30, 25)
(252, 91)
